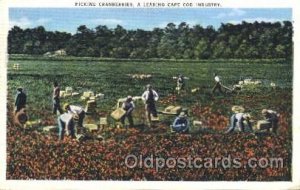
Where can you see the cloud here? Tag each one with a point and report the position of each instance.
(43, 21)
(24, 22)
(232, 13)
(108, 22)
(258, 19)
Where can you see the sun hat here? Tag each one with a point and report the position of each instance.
(66, 106)
(264, 111)
(237, 109)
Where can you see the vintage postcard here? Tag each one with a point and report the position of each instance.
(149, 94)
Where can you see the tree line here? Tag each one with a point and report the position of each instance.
(245, 40)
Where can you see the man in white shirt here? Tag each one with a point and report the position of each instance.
(180, 83)
(77, 112)
(65, 122)
(149, 97)
(218, 83)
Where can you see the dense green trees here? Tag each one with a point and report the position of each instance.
(245, 40)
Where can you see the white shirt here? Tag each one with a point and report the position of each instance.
(272, 112)
(217, 78)
(146, 94)
(66, 118)
(75, 109)
(239, 117)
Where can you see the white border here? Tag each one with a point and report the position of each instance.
(26, 184)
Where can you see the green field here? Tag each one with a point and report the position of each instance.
(110, 77)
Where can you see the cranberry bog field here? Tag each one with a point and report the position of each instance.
(32, 154)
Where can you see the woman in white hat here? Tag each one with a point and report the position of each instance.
(238, 118)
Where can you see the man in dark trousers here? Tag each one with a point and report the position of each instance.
(149, 97)
(56, 99)
(128, 106)
(20, 100)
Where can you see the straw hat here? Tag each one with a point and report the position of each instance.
(66, 106)
(264, 111)
(237, 109)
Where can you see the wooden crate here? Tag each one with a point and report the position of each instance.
(50, 129)
(155, 119)
(176, 110)
(118, 114)
(91, 127)
(169, 108)
(263, 125)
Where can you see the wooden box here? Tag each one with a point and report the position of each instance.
(118, 114)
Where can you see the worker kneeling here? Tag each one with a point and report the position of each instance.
(181, 124)
(237, 120)
(272, 117)
(66, 123)
(77, 112)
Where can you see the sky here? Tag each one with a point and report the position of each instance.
(68, 19)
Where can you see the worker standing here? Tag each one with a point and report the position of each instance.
(217, 84)
(180, 83)
(20, 100)
(128, 106)
(56, 99)
(149, 97)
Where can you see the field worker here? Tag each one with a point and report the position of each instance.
(238, 118)
(149, 97)
(217, 84)
(56, 99)
(180, 82)
(65, 123)
(20, 100)
(181, 123)
(128, 106)
(272, 117)
(77, 112)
